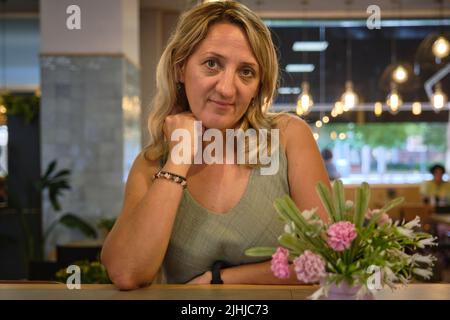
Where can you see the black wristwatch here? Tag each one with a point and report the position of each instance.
(215, 271)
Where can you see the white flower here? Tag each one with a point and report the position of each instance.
(427, 242)
(289, 227)
(318, 293)
(389, 276)
(406, 232)
(413, 223)
(425, 273)
(429, 259)
(308, 214)
(403, 280)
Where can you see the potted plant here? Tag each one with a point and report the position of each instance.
(54, 182)
(343, 253)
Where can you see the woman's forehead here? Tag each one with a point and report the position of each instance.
(226, 39)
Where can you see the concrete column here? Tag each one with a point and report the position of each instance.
(90, 103)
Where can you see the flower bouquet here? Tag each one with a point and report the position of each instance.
(358, 249)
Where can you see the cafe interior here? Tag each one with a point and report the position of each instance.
(370, 77)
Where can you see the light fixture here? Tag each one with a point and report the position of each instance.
(342, 136)
(394, 100)
(400, 75)
(334, 113)
(441, 47)
(306, 67)
(310, 46)
(318, 124)
(333, 135)
(305, 100)
(339, 107)
(378, 108)
(439, 98)
(416, 108)
(316, 136)
(349, 99)
(289, 90)
(325, 119)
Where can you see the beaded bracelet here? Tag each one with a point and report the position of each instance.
(171, 176)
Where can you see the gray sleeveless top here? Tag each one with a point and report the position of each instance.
(201, 237)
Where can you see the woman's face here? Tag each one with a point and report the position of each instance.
(437, 175)
(221, 77)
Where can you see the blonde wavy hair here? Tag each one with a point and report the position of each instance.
(191, 29)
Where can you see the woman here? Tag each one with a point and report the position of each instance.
(220, 67)
(436, 192)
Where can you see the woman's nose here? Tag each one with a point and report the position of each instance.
(226, 84)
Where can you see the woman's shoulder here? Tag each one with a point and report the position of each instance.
(292, 128)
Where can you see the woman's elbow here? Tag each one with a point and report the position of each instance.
(122, 277)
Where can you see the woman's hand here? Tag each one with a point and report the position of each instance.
(204, 278)
(183, 121)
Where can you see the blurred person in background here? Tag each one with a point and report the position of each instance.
(327, 156)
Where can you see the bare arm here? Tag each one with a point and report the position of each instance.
(135, 247)
(254, 273)
(305, 166)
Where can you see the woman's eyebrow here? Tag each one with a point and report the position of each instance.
(220, 56)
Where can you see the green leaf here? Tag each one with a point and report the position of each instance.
(391, 204)
(61, 173)
(327, 200)
(72, 221)
(361, 204)
(289, 241)
(287, 208)
(339, 198)
(260, 252)
(50, 169)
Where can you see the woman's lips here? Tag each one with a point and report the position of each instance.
(221, 104)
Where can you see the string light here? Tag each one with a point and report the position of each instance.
(394, 100)
(349, 98)
(439, 98)
(400, 75)
(333, 135)
(305, 100)
(441, 47)
(416, 108)
(378, 108)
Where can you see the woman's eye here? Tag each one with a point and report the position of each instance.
(247, 72)
(211, 64)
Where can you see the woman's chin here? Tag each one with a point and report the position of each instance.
(217, 123)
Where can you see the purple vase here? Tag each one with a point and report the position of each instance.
(345, 292)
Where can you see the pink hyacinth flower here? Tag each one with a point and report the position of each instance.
(382, 220)
(309, 267)
(340, 235)
(280, 263)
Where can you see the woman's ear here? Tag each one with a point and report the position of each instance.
(180, 73)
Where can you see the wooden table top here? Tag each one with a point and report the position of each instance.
(27, 291)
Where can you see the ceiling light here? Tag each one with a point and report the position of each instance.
(310, 46)
(300, 68)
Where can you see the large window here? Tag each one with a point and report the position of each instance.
(385, 152)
